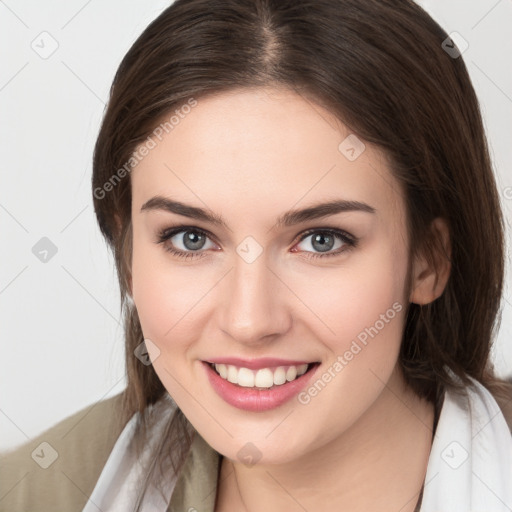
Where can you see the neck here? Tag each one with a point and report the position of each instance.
(378, 464)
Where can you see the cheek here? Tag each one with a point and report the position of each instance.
(158, 292)
(365, 311)
(170, 298)
(164, 297)
(361, 300)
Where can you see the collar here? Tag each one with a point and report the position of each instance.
(470, 463)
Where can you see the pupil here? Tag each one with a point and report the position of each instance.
(321, 239)
(193, 240)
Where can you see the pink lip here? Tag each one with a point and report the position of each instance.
(252, 399)
(256, 364)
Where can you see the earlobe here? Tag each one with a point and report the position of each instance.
(430, 274)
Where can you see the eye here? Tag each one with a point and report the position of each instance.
(324, 240)
(190, 242)
(184, 241)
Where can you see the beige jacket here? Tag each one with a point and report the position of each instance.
(78, 448)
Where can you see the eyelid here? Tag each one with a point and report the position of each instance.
(334, 231)
(174, 230)
(349, 240)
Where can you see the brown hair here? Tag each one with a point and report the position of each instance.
(380, 67)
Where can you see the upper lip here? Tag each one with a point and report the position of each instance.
(256, 364)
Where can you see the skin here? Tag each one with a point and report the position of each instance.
(250, 155)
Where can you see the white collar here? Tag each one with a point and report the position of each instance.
(122, 478)
(470, 463)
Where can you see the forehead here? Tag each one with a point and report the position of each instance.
(261, 151)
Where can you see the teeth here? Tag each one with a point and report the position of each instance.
(223, 371)
(262, 378)
(233, 374)
(246, 378)
(291, 373)
(279, 376)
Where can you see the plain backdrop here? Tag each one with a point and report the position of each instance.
(61, 336)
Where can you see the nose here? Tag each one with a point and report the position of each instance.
(254, 309)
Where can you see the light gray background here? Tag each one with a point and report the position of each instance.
(62, 343)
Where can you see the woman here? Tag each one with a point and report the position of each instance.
(309, 245)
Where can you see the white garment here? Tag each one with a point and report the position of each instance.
(122, 477)
(470, 463)
(469, 467)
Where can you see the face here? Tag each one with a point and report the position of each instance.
(254, 284)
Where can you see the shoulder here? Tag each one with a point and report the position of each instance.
(59, 468)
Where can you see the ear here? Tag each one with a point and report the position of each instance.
(431, 271)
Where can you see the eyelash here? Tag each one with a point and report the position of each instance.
(165, 234)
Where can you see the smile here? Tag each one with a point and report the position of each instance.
(263, 378)
(261, 388)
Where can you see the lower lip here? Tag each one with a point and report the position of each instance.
(252, 399)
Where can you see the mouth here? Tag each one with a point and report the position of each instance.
(262, 378)
(259, 389)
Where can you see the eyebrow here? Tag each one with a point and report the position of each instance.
(289, 218)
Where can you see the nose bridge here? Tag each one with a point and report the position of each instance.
(252, 307)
